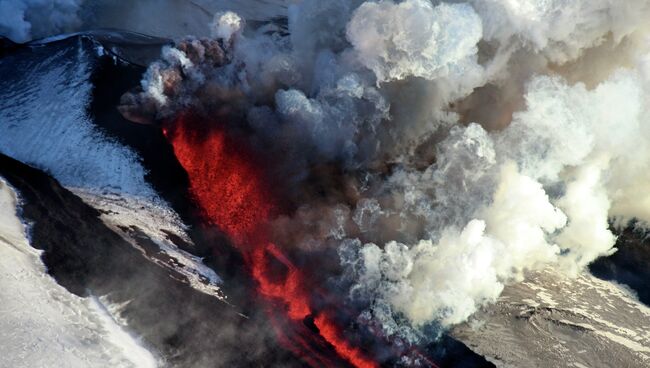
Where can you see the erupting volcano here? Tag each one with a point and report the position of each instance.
(324, 183)
(228, 182)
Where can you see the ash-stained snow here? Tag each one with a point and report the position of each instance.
(555, 321)
(42, 323)
(132, 217)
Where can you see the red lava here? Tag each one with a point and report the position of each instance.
(229, 185)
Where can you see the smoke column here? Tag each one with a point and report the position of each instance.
(440, 149)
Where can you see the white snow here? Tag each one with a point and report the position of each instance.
(42, 324)
(130, 347)
(44, 123)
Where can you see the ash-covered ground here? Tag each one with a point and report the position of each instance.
(561, 322)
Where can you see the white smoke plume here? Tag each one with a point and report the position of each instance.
(472, 141)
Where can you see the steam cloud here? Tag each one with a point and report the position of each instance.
(473, 141)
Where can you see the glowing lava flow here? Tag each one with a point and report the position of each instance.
(228, 184)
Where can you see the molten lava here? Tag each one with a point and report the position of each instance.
(223, 178)
(229, 185)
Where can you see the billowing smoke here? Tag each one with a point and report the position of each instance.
(443, 149)
(443, 43)
(23, 20)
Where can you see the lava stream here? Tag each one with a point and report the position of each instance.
(229, 186)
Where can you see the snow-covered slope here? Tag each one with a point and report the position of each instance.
(42, 322)
(44, 122)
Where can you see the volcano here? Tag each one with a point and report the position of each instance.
(325, 184)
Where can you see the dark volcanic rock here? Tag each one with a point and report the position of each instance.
(630, 265)
(451, 353)
(7, 46)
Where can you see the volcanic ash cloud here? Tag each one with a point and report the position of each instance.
(460, 144)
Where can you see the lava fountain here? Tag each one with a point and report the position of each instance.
(229, 184)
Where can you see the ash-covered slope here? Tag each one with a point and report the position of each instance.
(551, 320)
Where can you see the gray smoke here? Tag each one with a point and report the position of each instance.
(471, 141)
